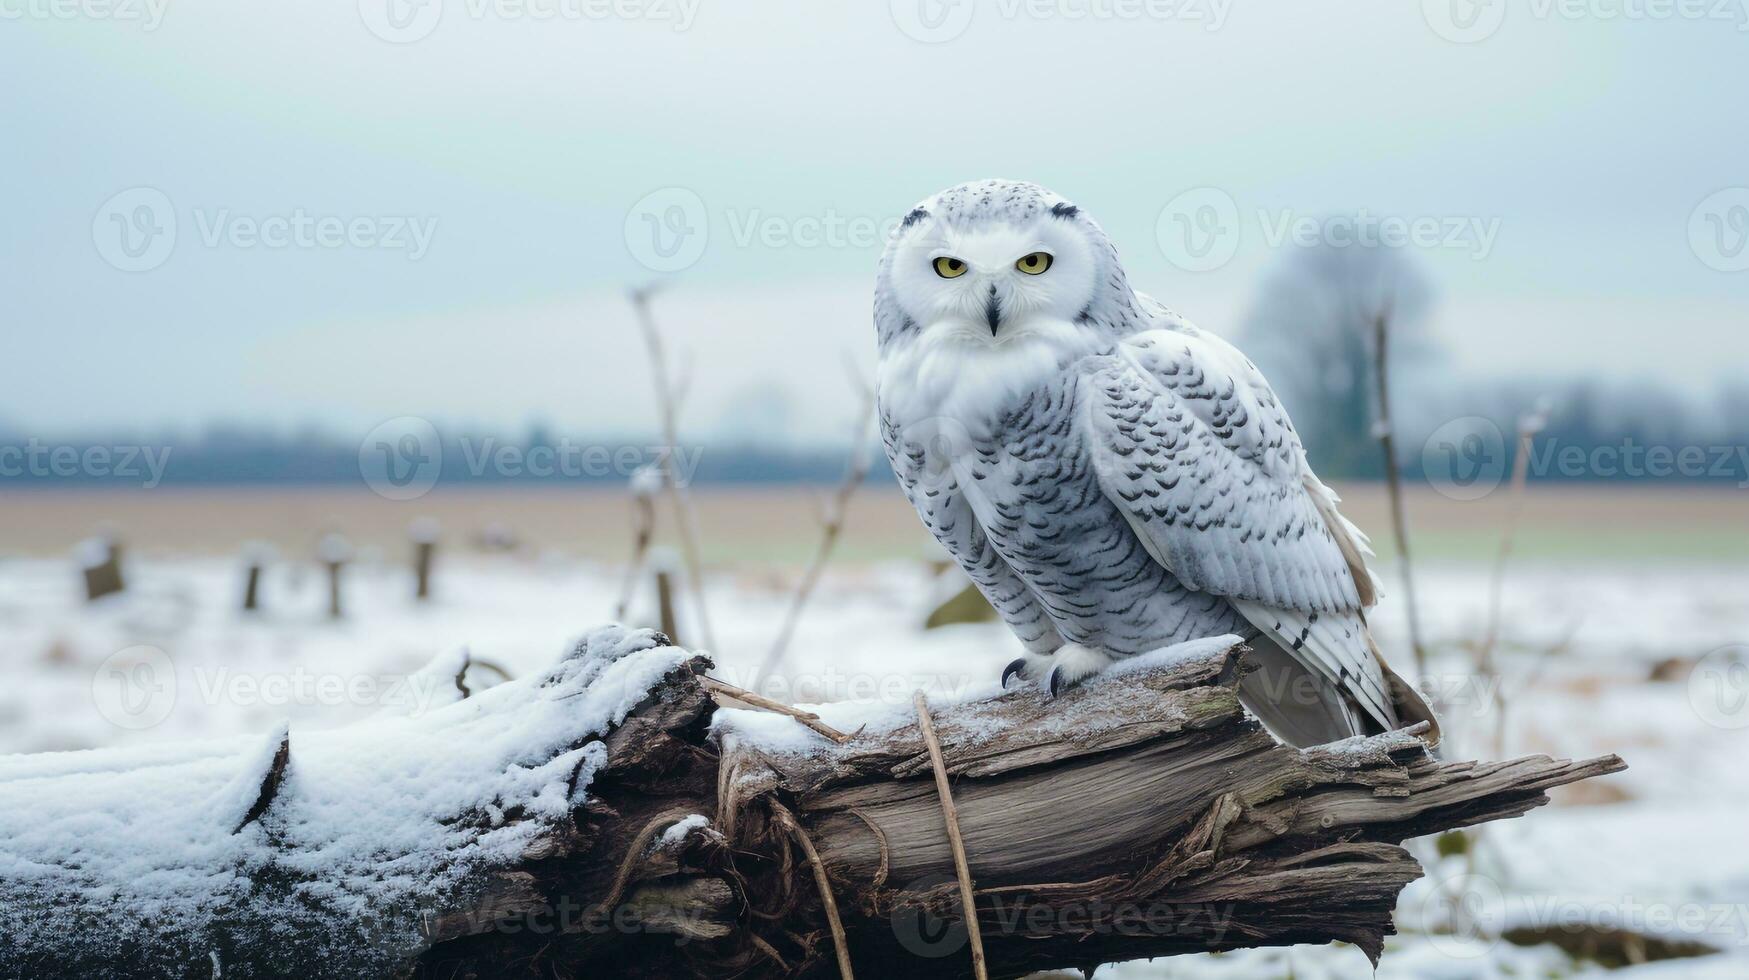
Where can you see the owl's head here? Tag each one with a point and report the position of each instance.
(997, 263)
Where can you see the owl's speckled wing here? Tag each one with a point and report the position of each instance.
(1196, 452)
(934, 492)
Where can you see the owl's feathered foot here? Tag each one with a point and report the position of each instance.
(1074, 663)
(1071, 664)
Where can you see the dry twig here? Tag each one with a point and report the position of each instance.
(827, 902)
(643, 533)
(1394, 483)
(668, 404)
(968, 906)
(720, 690)
(832, 521)
(1529, 425)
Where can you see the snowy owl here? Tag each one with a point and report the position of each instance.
(1114, 479)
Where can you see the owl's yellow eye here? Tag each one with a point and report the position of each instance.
(1034, 264)
(948, 267)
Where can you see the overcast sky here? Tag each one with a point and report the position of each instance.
(339, 212)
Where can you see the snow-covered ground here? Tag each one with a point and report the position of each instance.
(1655, 851)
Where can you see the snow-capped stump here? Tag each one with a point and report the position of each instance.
(319, 852)
(257, 555)
(99, 560)
(607, 817)
(424, 534)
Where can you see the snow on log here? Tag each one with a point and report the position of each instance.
(607, 817)
(326, 852)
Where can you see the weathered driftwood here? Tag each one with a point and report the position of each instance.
(1143, 814)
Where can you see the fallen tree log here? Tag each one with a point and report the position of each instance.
(609, 817)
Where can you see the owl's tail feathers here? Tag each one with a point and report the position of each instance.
(1297, 705)
(1303, 709)
(1410, 706)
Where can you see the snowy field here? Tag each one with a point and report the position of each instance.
(1651, 859)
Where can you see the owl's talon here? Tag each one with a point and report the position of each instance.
(1018, 666)
(1056, 681)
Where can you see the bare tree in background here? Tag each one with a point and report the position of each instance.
(1327, 328)
(1312, 331)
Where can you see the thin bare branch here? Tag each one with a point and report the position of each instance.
(667, 403)
(832, 518)
(962, 870)
(720, 691)
(643, 533)
(1529, 425)
(824, 883)
(1394, 483)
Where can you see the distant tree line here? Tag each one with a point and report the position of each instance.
(232, 457)
(1311, 331)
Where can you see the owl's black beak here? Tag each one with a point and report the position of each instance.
(992, 311)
